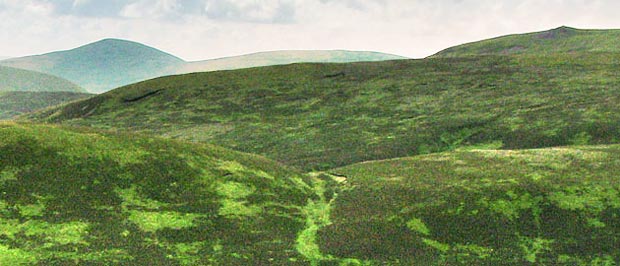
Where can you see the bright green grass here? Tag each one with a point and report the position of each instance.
(84, 197)
(302, 116)
(558, 206)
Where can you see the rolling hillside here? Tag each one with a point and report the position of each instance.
(319, 116)
(14, 103)
(102, 65)
(473, 157)
(82, 197)
(13, 79)
(556, 206)
(283, 58)
(560, 40)
(111, 63)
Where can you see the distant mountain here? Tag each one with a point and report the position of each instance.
(102, 65)
(14, 103)
(285, 57)
(13, 79)
(111, 63)
(4, 57)
(560, 40)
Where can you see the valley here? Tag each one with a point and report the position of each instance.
(498, 152)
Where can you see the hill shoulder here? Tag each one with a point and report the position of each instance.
(320, 116)
(14, 79)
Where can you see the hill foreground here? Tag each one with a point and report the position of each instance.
(558, 206)
(320, 116)
(82, 197)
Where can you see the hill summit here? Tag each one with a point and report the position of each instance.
(559, 40)
(108, 48)
(102, 65)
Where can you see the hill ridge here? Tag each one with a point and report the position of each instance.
(562, 39)
(300, 50)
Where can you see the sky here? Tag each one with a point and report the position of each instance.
(206, 29)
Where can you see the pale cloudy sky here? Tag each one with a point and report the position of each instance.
(203, 29)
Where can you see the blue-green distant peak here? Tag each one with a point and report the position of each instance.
(102, 65)
(124, 47)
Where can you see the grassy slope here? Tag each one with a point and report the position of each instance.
(284, 57)
(13, 79)
(82, 197)
(558, 206)
(102, 65)
(14, 103)
(560, 40)
(307, 115)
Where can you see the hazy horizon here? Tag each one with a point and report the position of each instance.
(208, 29)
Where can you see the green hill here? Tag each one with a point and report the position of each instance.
(14, 103)
(111, 63)
(102, 65)
(283, 58)
(411, 162)
(319, 116)
(82, 197)
(13, 79)
(560, 40)
(554, 206)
